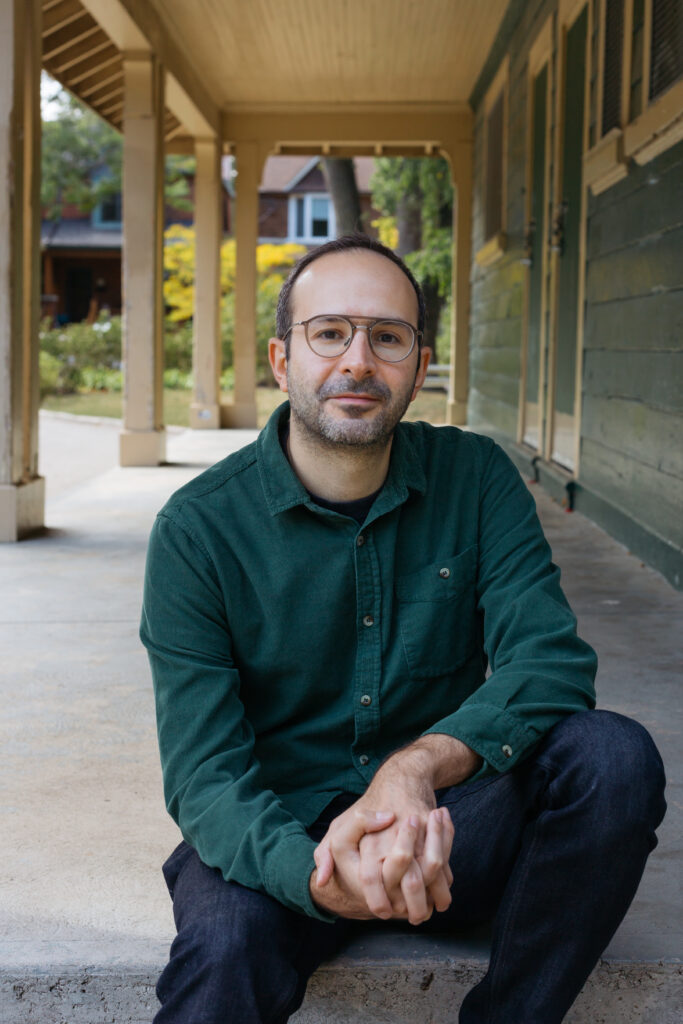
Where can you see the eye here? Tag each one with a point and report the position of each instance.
(385, 337)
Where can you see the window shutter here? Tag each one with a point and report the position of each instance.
(666, 60)
(611, 86)
(494, 169)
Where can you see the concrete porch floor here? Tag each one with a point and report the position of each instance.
(85, 921)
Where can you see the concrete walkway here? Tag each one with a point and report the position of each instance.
(85, 921)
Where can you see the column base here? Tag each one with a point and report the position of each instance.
(238, 414)
(205, 417)
(142, 447)
(456, 412)
(22, 509)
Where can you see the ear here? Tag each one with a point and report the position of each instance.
(425, 356)
(278, 361)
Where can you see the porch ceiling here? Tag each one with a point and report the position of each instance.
(239, 56)
(264, 53)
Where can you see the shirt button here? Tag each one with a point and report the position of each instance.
(444, 573)
(360, 540)
(364, 759)
(366, 700)
(368, 620)
(507, 750)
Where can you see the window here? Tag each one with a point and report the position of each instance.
(494, 199)
(108, 212)
(311, 219)
(638, 76)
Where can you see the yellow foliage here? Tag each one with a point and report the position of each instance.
(387, 232)
(272, 263)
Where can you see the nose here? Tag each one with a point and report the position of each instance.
(358, 359)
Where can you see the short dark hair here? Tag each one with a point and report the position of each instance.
(347, 243)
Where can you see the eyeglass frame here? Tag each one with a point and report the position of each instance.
(417, 335)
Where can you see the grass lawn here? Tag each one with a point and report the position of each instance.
(429, 405)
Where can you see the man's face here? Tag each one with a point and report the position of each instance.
(355, 399)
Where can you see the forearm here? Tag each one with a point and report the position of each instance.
(429, 763)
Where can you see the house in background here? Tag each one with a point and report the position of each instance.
(294, 205)
(81, 253)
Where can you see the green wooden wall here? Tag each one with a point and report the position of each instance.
(632, 409)
(630, 477)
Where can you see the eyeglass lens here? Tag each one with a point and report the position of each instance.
(390, 340)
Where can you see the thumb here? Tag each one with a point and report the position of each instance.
(324, 861)
(369, 821)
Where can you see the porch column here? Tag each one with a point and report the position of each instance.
(22, 491)
(142, 442)
(458, 383)
(206, 343)
(242, 411)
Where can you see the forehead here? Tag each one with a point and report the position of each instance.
(358, 282)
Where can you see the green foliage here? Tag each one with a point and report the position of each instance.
(423, 184)
(75, 146)
(97, 378)
(80, 355)
(177, 380)
(82, 158)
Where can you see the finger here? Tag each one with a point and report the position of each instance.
(401, 855)
(374, 893)
(415, 895)
(448, 833)
(354, 826)
(440, 893)
(324, 861)
(431, 862)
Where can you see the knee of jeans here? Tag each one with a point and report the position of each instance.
(617, 761)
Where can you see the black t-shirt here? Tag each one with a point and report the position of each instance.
(357, 509)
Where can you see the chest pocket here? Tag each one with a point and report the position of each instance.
(436, 615)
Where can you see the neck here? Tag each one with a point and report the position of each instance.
(339, 472)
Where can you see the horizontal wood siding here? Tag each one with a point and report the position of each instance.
(497, 290)
(632, 417)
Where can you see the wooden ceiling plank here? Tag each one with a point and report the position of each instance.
(68, 37)
(79, 52)
(93, 65)
(101, 82)
(64, 14)
(48, 5)
(107, 94)
(110, 109)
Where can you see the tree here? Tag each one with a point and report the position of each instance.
(340, 177)
(417, 193)
(82, 158)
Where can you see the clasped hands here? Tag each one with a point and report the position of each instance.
(387, 855)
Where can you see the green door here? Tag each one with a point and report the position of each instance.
(535, 334)
(567, 319)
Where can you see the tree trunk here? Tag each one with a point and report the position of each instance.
(434, 304)
(409, 224)
(340, 176)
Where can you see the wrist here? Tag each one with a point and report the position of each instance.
(439, 760)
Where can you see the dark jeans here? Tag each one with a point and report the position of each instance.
(552, 852)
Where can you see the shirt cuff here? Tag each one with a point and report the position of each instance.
(287, 879)
(491, 732)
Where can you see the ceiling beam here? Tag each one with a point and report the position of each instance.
(76, 54)
(136, 25)
(65, 38)
(386, 126)
(63, 14)
(94, 65)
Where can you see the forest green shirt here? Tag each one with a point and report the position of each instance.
(293, 650)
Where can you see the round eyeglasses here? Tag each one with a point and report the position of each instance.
(330, 334)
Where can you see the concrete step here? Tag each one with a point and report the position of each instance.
(379, 978)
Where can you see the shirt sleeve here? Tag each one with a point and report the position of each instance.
(540, 669)
(210, 773)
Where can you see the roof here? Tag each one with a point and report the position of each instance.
(283, 173)
(78, 234)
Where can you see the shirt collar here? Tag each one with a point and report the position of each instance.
(283, 489)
